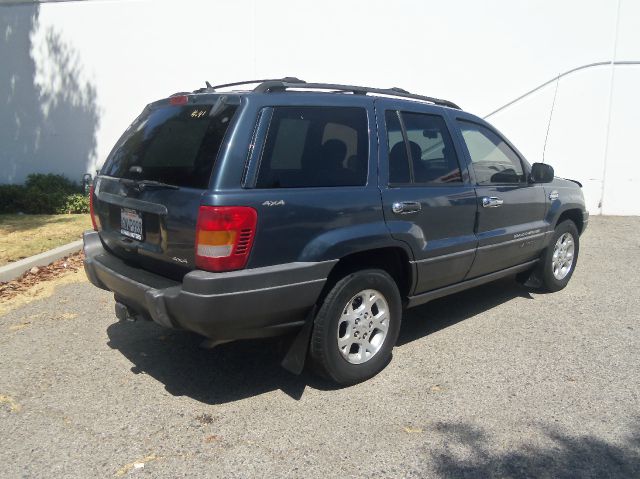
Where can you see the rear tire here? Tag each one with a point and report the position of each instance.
(559, 258)
(356, 327)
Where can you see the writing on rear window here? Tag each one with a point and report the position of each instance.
(174, 144)
(198, 113)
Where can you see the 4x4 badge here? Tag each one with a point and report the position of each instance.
(553, 195)
(273, 203)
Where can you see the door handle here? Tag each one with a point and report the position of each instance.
(491, 201)
(406, 207)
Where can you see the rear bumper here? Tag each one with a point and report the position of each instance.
(250, 303)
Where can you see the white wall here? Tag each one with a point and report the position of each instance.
(479, 54)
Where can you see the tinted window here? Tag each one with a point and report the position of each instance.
(433, 155)
(398, 160)
(492, 159)
(172, 144)
(315, 146)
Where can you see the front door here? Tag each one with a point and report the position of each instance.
(428, 201)
(511, 229)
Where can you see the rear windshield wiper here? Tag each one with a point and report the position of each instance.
(143, 184)
(155, 184)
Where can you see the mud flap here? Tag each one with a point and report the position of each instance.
(297, 352)
(530, 278)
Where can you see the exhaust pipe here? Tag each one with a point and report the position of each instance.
(123, 313)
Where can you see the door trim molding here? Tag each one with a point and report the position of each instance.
(444, 257)
(512, 241)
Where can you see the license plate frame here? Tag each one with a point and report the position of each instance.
(131, 224)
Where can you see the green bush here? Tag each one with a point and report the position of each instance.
(12, 198)
(51, 183)
(76, 203)
(43, 194)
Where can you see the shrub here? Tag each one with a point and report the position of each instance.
(76, 203)
(43, 194)
(12, 198)
(50, 183)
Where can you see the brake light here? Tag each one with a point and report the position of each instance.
(95, 221)
(224, 236)
(178, 100)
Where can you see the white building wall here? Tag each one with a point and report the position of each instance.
(481, 55)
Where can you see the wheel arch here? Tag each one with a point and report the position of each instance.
(573, 214)
(392, 259)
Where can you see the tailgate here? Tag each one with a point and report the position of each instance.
(148, 193)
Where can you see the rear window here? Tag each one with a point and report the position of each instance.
(177, 145)
(315, 146)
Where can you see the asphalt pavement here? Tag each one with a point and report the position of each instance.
(493, 382)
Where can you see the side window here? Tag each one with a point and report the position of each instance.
(398, 160)
(433, 155)
(493, 160)
(288, 144)
(315, 146)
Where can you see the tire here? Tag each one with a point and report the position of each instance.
(552, 277)
(345, 318)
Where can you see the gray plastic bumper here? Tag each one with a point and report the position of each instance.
(248, 303)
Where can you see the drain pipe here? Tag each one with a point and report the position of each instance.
(608, 129)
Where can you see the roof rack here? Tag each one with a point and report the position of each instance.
(212, 88)
(286, 83)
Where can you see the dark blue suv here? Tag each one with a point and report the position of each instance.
(319, 211)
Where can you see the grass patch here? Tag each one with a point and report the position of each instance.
(25, 235)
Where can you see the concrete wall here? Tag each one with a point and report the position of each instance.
(75, 74)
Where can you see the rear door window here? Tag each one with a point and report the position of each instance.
(421, 150)
(174, 144)
(315, 146)
(433, 155)
(398, 159)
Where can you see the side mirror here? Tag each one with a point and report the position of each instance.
(541, 173)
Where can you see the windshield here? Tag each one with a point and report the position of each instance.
(171, 144)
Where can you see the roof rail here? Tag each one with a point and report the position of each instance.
(213, 88)
(284, 84)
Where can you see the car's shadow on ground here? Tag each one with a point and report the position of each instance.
(441, 313)
(243, 369)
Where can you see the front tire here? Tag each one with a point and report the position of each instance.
(559, 259)
(356, 327)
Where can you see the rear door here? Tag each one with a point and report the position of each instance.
(310, 177)
(427, 198)
(511, 227)
(148, 192)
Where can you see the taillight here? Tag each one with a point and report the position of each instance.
(95, 221)
(224, 236)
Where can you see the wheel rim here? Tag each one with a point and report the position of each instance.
(563, 255)
(363, 326)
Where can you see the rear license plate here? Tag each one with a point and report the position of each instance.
(131, 223)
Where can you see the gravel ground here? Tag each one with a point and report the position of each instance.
(495, 381)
